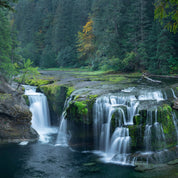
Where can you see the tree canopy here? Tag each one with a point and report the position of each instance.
(7, 4)
(166, 11)
(123, 36)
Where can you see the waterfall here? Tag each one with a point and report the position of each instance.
(117, 110)
(175, 121)
(40, 113)
(113, 114)
(63, 136)
(173, 93)
(147, 137)
(154, 95)
(151, 128)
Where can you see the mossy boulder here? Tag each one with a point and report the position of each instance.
(38, 82)
(81, 109)
(56, 95)
(165, 118)
(35, 81)
(26, 100)
(78, 111)
(79, 115)
(163, 132)
(136, 133)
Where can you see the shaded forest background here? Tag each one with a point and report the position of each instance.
(116, 35)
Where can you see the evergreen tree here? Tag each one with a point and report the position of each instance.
(7, 53)
(125, 33)
(165, 52)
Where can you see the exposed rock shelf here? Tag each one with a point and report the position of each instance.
(137, 112)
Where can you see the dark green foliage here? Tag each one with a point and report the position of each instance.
(8, 51)
(126, 36)
(7, 4)
(66, 57)
(48, 30)
(127, 31)
(166, 12)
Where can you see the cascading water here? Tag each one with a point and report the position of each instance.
(114, 145)
(63, 136)
(173, 93)
(40, 113)
(113, 114)
(175, 121)
(155, 127)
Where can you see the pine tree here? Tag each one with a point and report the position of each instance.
(165, 52)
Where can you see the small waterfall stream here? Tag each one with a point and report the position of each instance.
(173, 93)
(63, 136)
(40, 113)
(175, 121)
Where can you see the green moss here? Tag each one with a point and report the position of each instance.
(26, 100)
(23, 89)
(37, 82)
(69, 91)
(90, 100)
(165, 118)
(116, 79)
(81, 110)
(56, 95)
(81, 107)
(109, 78)
(5, 96)
(136, 133)
(137, 119)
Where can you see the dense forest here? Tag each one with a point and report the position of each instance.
(116, 35)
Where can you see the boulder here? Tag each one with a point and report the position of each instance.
(15, 116)
(175, 105)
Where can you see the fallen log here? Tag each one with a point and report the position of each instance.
(149, 79)
(164, 76)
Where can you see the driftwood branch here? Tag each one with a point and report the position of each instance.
(149, 79)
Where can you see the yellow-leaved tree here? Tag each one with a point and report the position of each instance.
(85, 43)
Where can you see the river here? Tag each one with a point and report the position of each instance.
(47, 160)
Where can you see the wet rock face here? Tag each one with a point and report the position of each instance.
(162, 129)
(175, 106)
(56, 95)
(15, 117)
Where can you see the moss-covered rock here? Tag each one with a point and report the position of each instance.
(56, 95)
(165, 118)
(69, 91)
(35, 81)
(162, 134)
(79, 115)
(80, 109)
(26, 100)
(136, 133)
(137, 119)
